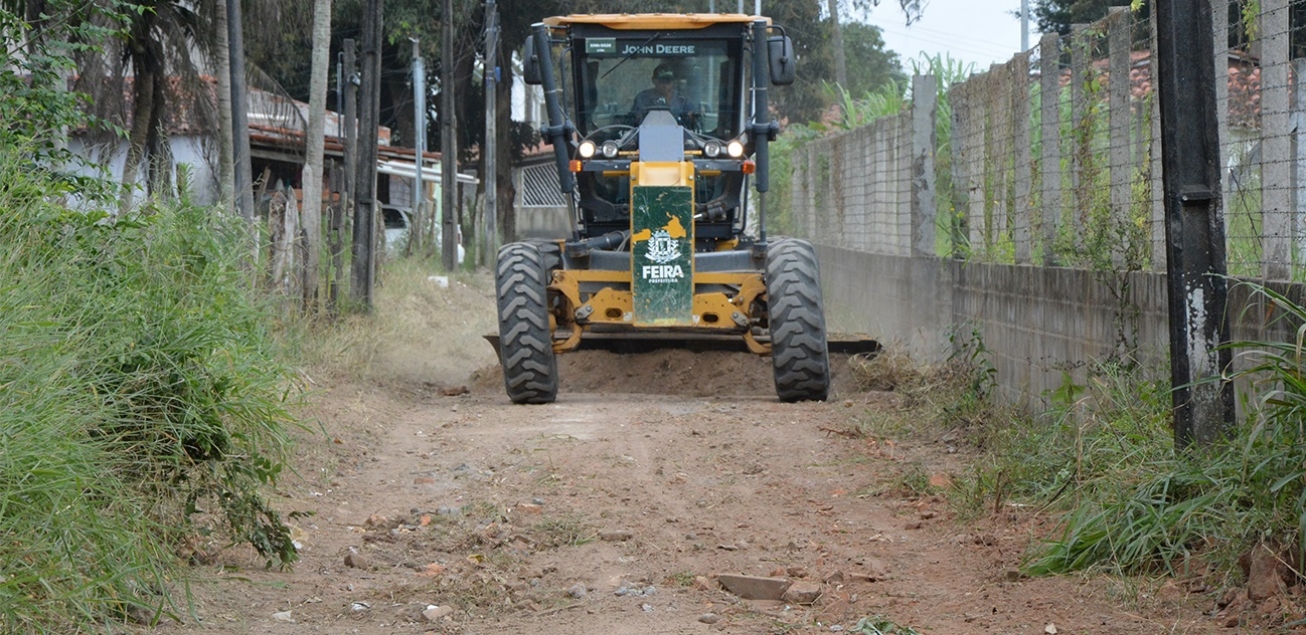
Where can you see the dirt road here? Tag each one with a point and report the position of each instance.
(616, 509)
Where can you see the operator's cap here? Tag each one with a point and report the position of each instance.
(663, 73)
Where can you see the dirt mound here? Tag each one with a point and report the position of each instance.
(667, 372)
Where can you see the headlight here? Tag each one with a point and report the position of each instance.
(712, 149)
(735, 149)
(609, 149)
(586, 149)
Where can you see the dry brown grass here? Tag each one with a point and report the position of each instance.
(418, 332)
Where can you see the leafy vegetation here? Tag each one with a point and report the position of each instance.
(143, 403)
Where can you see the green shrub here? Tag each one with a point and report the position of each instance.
(139, 384)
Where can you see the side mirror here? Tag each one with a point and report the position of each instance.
(784, 68)
(531, 63)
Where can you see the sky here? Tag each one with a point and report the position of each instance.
(980, 31)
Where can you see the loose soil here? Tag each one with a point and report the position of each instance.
(613, 510)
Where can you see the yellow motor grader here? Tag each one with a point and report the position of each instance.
(658, 122)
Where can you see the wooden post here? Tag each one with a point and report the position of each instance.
(336, 239)
(365, 216)
(448, 145)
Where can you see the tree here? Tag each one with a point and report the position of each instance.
(876, 66)
(1057, 15)
(313, 160)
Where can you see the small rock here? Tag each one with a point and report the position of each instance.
(434, 613)
(751, 587)
(1050, 629)
(357, 561)
(454, 391)
(709, 618)
(449, 511)
(358, 607)
(283, 616)
(1011, 575)
(915, 525)
(432, 569)
(1263, 579)
(616, 535)
(577, 591)
(797, 572)
(834, 577)
(648, 608)
(701, 583)
(423, 480)
(940, 481)
(802, 592)
(538, 501)
(530, 508)
(376, 521)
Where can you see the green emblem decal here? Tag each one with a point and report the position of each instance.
(663, 256)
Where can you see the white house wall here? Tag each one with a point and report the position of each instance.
(186, 150)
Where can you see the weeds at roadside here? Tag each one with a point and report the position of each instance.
(878, 625)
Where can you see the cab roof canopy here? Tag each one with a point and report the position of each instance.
(647, 21)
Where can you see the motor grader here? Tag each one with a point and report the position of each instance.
(658, 179)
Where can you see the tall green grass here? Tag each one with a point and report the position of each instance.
(141, 402)
(1147, 509)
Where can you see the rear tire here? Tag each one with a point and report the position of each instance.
(530, 369)
(797, 320)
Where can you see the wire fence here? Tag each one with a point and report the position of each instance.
(1054, 157)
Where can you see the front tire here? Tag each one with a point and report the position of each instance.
(530, 368)
(797, 321)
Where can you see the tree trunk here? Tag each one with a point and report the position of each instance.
(158, 152)
(507, 194)
(142, 114)
(312, 214)
(840, 64)
(226, 148)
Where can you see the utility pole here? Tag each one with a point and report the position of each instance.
(448, 147)
(489, 158)
(351, 118)
(1024, 25)
(418, 221)
(244, 173)
(1194, 228)
(364, 264)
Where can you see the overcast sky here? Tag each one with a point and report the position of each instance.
(979, 31)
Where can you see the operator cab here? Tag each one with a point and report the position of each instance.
(625, 81)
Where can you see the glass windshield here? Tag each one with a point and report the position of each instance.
(621, 79)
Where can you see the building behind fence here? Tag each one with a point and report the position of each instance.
(1024, 204)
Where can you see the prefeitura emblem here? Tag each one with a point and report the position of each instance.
(662, 248)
